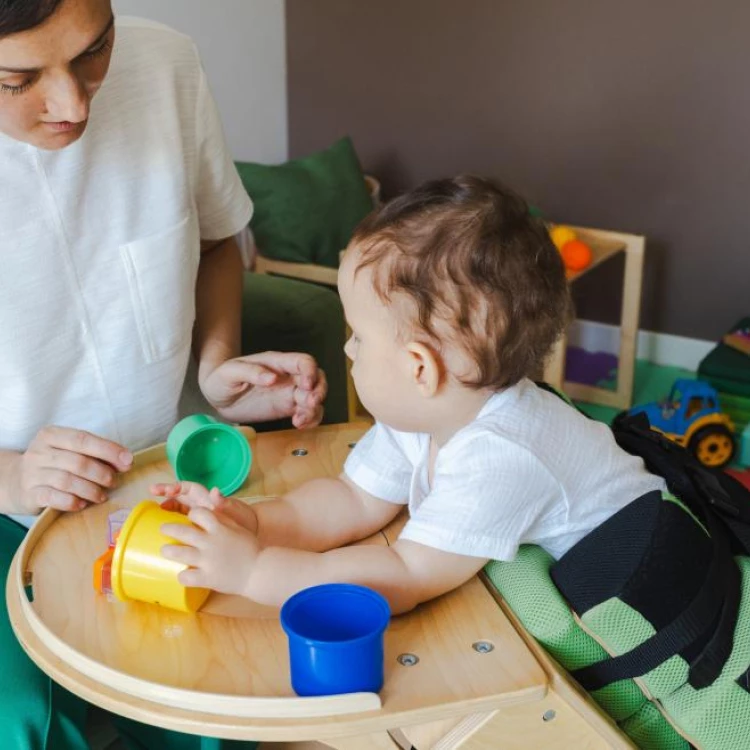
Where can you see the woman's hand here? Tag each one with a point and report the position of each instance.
(219, 552)
(271, 385)
(66, 469)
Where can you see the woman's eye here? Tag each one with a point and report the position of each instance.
(102, 49)
(14, 90)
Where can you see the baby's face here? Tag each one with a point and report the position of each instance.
(381, 365)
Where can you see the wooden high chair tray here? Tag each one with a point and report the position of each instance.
(228, 676)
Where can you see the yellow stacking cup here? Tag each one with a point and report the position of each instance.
(139, 572)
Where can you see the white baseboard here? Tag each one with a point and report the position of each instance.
(659, 348)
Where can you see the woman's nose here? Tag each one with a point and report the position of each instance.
(67, 99)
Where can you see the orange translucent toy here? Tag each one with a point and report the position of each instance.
(576, 255)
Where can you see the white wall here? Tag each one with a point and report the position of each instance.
(243, 47)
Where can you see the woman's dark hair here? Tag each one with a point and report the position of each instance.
(22, 15)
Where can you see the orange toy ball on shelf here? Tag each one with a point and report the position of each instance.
(576, 255)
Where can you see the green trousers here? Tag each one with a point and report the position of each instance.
(37, 714)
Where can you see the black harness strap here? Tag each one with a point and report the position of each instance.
(691, 624)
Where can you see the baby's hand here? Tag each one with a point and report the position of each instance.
(219, 552)
(183, 496)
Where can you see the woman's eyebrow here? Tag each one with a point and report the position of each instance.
(96, 41)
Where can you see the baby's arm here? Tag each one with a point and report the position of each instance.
(406, 573)
(225, 556)
(318, 515)
(322, 514)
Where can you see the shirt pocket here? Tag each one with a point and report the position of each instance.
(161, 271)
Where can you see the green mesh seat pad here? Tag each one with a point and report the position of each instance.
(713, 718)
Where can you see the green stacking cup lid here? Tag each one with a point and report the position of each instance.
(202, 449)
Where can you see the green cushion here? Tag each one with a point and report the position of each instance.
(726, 368)
(307, 209)
(716, 717)
(651, 731)
(526, 586)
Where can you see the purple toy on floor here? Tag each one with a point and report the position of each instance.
(589, 368)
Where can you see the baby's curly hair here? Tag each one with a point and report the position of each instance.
(479, 267)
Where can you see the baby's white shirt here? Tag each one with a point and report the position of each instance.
(528, 470)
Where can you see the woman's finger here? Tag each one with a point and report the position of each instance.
(86, 444)
(78, 464)
(311, 399)
(304, 418)
(318, 394)
(69, 484)
(239, 373)
(48, 497)
(293, 363)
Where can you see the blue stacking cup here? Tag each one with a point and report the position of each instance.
(335, 636)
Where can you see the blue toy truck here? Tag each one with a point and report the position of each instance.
(691, 416)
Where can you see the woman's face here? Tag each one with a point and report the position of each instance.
(49, 74)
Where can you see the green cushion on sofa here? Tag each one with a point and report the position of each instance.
(307, 209)
(727, 369)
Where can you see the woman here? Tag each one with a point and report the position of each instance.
(118, 202)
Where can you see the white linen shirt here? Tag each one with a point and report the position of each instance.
(100, 248)
(528, 470)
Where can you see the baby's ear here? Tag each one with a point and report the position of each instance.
(426, 368)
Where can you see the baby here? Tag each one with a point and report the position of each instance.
(455, 295)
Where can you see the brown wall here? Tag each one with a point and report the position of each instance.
(628, 115)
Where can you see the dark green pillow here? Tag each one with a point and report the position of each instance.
(307, 209)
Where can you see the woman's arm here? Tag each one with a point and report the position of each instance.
(216, 337)
(11, 499)
(257, 387)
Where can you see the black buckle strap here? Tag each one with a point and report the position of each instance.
(711, 490)
(685, 629)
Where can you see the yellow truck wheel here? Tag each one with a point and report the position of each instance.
(713, 446)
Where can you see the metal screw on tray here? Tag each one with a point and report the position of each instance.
(483, 647)
(408, 660)
(548, 715)
(299, 452)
